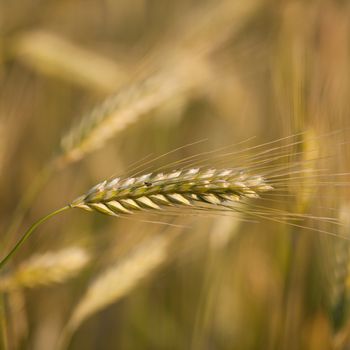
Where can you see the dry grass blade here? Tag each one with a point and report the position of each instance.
(119, 280)
(46, 269)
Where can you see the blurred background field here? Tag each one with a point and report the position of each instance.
(178, 72)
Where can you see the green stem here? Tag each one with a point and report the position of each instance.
(3, 324)
(28, 233)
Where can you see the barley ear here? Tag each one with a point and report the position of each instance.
(28, 233)
(46, 269)
(117, 282)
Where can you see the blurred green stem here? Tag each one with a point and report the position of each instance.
(28, 233)
(3, 324)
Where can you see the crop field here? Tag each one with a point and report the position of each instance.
(175, 174)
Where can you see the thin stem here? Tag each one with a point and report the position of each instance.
(29, 196)
(3, 324)
(29, 232)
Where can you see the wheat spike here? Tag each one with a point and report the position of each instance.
(154, 191)
(45, 269)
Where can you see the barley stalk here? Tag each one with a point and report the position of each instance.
(204, 190)
(185, 188)
(195, 188)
